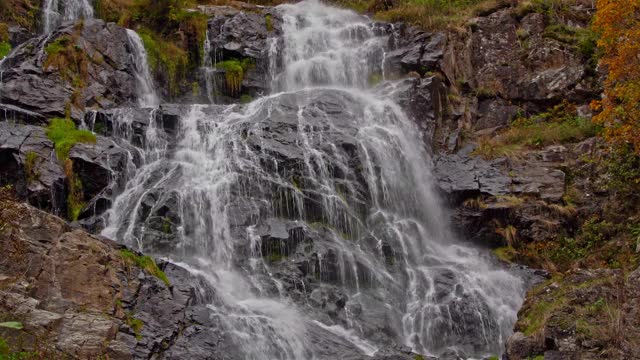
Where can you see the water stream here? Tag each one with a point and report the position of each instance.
(322, 189)
(55, 12)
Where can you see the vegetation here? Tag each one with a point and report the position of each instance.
(135, 324)
(30, 164)
(24, 13)
(145, 263)
(63, 134)
(428, 14)
(172, 35)
(559, 125)
(69, 59)
(166, 58)
(5, 49)
(234, 73)
(619, 25)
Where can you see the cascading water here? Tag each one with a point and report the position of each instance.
(147, 96)
(321, 191)
(55, 12)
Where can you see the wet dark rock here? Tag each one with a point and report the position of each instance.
(109, 81)
(18, 35)
(425, 101)
(238, 35)
(413, 50)
(41, 181)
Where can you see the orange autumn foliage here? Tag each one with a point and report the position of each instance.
(618, 22)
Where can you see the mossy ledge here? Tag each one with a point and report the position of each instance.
(145, 263)
(64, 135)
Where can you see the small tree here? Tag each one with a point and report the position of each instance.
(618, 22)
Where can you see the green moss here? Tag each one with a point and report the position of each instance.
(234, 73)
(30, 163)
(374, 79)
(5, 49)
(269, 22)
(166, 225)
(275, 257)
(63, 134)
(166, 59)
(144, 262)
(506, 253)
(135, 324)
(558, 126)
(537, 316)
(418, 357)
(245, 99)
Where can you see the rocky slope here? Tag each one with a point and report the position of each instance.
(82, 296)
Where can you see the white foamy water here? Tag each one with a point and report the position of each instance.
(55, 12)
(355, 177)
(147, 96)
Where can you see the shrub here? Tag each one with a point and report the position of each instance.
(63, 134)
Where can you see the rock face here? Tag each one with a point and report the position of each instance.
(249, 35)
(77, 67)
(78, 297)
(28, 162)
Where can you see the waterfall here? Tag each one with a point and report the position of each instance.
(322, 190)
(147, 96)
(55, 12)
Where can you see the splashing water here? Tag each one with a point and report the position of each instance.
(55, 12)
(324, 187)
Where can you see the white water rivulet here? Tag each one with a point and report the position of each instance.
(313, 215)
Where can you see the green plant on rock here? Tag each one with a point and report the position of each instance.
(30, 166)
(375, 79)
(234, 73)
(63, 134)
(245, 99)
(5, 49)
(165, 58)
(69, 59)
(268, 22)
(135, 324)
(145, 263)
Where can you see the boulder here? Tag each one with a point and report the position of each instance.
(42, 76)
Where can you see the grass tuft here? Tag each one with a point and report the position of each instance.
(146, 263)
(234, 73)
(64, 135)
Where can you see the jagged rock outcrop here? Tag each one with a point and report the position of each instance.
(75, 68)
(79, 297)
(28, 162)
(246, 34)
